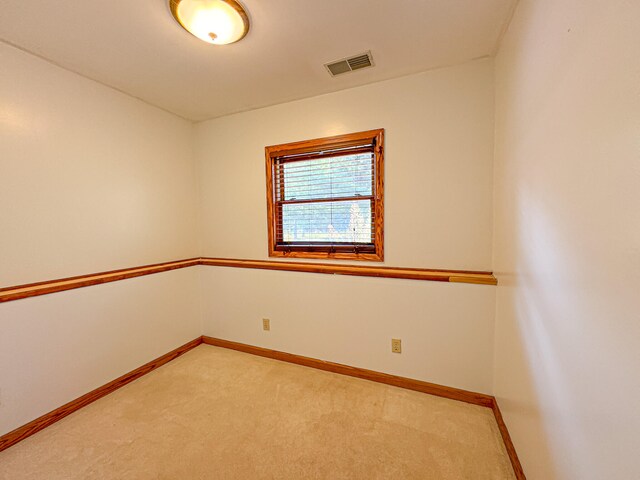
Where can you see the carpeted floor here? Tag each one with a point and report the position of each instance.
(219, 414)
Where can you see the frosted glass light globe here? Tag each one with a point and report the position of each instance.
(219, 22)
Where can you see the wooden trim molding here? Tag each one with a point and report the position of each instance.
(18, 292)
(59, 413)
(474, 398)
(508, 443)
(454, 276)
(394, 380)
(8, 294)
(466, 396)
(371, 141)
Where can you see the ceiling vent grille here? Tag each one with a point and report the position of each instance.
(350, 64)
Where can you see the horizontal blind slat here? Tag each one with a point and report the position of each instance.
(327, 177)
(335, 163)
(326, 153)
(307, 201)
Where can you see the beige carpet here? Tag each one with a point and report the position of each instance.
(219, 414)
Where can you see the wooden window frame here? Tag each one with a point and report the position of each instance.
(338, 252)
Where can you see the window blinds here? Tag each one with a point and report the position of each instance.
(326, 199)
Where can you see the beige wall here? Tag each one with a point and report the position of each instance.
(567, 237)
(438, 187)
(90, 180)
(446, 329)
(438, 165)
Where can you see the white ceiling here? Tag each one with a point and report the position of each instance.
(137, 47)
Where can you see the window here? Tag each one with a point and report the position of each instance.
(325, 197)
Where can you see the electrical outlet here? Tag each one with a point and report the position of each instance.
(396, 345)
(266, 324)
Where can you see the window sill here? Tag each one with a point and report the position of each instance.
(370, 257)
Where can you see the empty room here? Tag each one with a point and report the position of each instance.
(341, 239)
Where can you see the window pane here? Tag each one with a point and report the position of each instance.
(335, 222)
(344, 176)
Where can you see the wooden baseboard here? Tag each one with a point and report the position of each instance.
(474, 398)
(396, 381)
(506, 438)
(59, 413)
(409, 383)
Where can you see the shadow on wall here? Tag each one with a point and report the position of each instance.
(527, 365)
(521, 395)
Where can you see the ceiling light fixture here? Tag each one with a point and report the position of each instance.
(219, 22)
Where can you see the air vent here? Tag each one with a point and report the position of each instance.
(350, 64)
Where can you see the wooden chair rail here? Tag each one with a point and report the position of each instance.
(8, 294)
(454, 276)
(18, 292)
